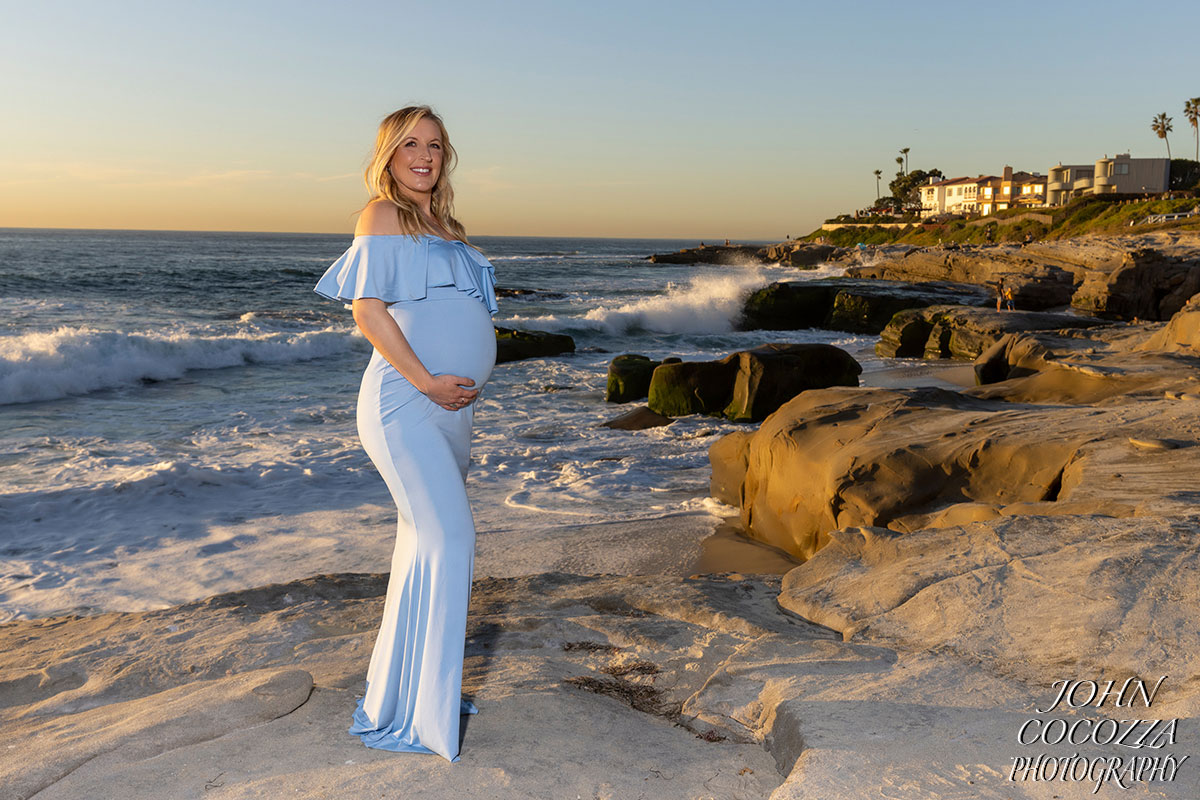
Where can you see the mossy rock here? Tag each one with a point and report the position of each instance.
(842, 304)
(773, 374)
(629, 377)
(692, 387)
(748, 385)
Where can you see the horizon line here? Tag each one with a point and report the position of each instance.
(319, 233)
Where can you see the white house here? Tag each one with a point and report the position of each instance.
(954, 196)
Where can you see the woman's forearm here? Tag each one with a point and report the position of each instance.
(385, 335)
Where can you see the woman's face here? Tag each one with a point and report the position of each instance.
(417, 163)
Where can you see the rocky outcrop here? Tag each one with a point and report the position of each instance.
(514, 345)
(1026, 595)
(692, 387)
(929, 656)
(839, 457)
(1181, 334)
(1146, 284)
(1036, 284)
(732, 255)
(748, 385)
(771, 375)
(1144, 277)
(208, 698)
(629, 378)
(962, 332)
(839, 304)
(1020, 445)
(799, 254)
(639, 419)
(793, 253)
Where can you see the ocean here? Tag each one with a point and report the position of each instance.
(178, 408)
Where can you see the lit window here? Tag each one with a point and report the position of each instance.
(1007, 189)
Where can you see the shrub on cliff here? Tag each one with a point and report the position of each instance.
(1185, 174)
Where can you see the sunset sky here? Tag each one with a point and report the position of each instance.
(749, 120)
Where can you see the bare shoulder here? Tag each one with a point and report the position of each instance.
(379, 217)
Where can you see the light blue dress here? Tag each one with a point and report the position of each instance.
(442, 295)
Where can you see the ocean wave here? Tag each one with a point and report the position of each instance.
(705, 304)
(78, 360)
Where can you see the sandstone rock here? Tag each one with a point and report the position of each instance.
(962, 332)
(1013, 355)
(1147, 277)
(799, 254)
(550, 660)
(836, 457)
(1182, 331)
(1145, 285)
(514, 345)
(638, 419)
(1035, 283)
(1026, 595)
(917, 458)
(728, 457)
(142, 728)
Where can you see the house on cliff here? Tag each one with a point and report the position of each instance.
(1118, 175)
(1011, 190)
(983, 195)
(953, 196)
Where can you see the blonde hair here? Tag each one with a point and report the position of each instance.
(383, 186)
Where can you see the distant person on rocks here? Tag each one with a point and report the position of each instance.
(1029, 238)
(1008, 297)
(727, 243)
(999, 294)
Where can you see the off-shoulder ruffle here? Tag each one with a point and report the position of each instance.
(396, 268)
(472, 272)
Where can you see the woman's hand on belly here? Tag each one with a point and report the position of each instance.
(450, 391)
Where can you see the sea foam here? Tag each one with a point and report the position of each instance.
(78, 360)
(704, 304)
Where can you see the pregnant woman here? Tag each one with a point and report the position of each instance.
(425, 299)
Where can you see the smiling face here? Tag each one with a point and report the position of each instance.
(417, 162)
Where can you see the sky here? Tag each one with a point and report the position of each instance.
(747, 120)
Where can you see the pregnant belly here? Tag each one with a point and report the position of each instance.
(451, 332)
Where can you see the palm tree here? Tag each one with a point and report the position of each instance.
(878, 175)
(1162, 126)
(904, 152)
(900, 162)
(1191, 110)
